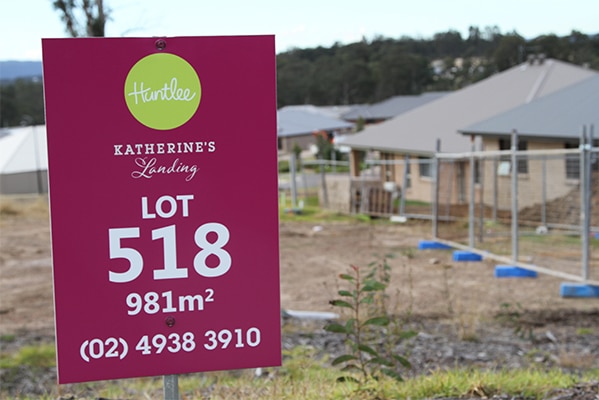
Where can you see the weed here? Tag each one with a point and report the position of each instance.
(410, 307)
(8, 338)
(368, 328)
(447, 290)
(538, 355)
(9, 209)
(513, 315)
(382, 305)
(299, 362)
(584, 331)
(467, 326)
(409, 252)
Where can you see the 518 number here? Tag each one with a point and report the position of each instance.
(168, 236)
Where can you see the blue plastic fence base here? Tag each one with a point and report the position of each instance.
(431, 244)
(578, 290)
(511, 271)
(461, 255)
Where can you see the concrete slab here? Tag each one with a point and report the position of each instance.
(512, 271)
(578, 290)
(462, 255)
(432, 245)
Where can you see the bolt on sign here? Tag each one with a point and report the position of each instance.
(163, 199)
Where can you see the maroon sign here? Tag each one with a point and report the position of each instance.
(163, 197)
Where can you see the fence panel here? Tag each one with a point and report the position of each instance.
(386, 187)
(536, 214)
(300, 181)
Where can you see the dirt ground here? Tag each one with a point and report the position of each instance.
(454, 306)
(424, 282)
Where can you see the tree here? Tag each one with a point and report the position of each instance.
(354, 74)
(84, 18)
(21, 103)
(507, 53)
(449, 43)
(293, 79)
(552, 46)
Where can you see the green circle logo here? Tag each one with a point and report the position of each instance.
(162, 91)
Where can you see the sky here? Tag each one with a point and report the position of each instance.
(298, 24)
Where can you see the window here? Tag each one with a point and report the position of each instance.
(477, 173)
(572, 162)
(424, 167)
(408, 176)
(506, 144)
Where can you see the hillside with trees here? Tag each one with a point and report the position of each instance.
(372, 70)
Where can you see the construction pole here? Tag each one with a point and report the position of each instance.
(585, 198)
(471, 222)
(436, 186)
(323, 182)
(589, 198)
(404, 185)
(514, 149)
(293, 182)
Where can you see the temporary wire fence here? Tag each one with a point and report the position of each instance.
(537, 209)
(532, 209)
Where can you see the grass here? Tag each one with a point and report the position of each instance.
(413, 203)
(304, 376)
(311, 212)
(316, 215)
(531, 383)
(41, 356)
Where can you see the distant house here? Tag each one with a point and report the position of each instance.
(390, 107)
(415, 133)
(23, 160)
(553, 122)
(298, 125)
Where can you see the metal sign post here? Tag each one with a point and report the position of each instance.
(171, 387)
